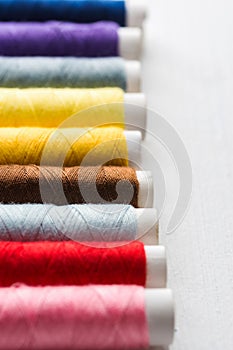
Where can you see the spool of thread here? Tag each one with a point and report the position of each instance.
(68, 147)
(74, 185)
(72, 263)
(121, 317)
(100, 39)
(80, 108)
(80, 223)
(59, 72)
(131, 13)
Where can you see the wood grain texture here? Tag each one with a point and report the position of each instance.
(188, 78)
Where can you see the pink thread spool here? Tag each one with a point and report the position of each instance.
(85, 318)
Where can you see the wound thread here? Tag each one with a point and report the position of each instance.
(81, 11)
(21, 184)
(81, 223)
(53, 38)
(75, 318)
(48, 107)
(71, 263)
(66, 147)
(59, 72)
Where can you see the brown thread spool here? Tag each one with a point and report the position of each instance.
(21, 184)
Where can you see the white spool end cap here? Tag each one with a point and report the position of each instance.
(146, 189)
(133, 139)
(130, 43)
(156, 275)
(133, 76)
(135, 111)
(147, 222)
(136, 12)
(160, 316)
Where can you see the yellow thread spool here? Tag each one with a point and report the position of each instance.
(67, 147)
(48, 107)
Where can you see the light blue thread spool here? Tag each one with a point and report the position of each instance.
(62, 72)
(82, 223)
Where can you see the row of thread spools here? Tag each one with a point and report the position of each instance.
(80, 267)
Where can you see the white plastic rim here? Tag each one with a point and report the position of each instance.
(146, 189)
(160, 314)
(156, 267)
(147, 226)
(133, 76)
(135, 111)
(136, 11)
(145, 179)
(134, 140)
(130, 43)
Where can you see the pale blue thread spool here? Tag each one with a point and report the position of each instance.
(82, 223)
(62, 72)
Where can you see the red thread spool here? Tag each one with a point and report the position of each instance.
(71, 263)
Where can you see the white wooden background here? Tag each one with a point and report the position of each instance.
(188, 78)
